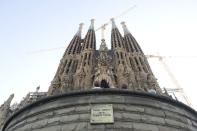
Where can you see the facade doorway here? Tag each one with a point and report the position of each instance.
(104, 84)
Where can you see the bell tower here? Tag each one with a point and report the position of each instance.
(138, 63)
(122, 69)
(83, 77)
(63, 79)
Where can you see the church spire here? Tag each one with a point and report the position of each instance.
(138, 61)
(125, 29)
(90, 38)
(113, 23)
(131, 44)
(92, 24)
(87, 60)
(116, 37)
(67, 64)
(80, 29)
(75, 45)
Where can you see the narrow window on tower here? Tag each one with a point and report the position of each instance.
(119, 43)
(62, 68)
(117, 55)
(91, 45)
(133, 65)
(130, 44)
(126, 46)
(87, 43)
(76, 66)
(131, 47)
(136, 49)
(70, 49)
(137, 64)
(83, 44)
(80, 46)
(130, 62)
(75, 47)
(118, 40)
(92, 40)
(72, 68)
(123, 44)
(85, 59)
(68, 67)
(121, 55)
(89, 59)
(143, 65)
(115, 78)
(114, 41)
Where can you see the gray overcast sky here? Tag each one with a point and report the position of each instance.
(167, 27)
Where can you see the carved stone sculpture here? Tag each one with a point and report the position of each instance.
(5, 110)
(123, 66)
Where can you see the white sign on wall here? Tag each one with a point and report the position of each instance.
(102, 114)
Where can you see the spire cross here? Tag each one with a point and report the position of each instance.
(125, 29)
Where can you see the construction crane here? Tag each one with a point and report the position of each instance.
(173, 78)
(103, 25)
(116, 17)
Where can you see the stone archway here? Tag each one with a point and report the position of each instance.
(104, 84)
(124, 86)
(104, 81)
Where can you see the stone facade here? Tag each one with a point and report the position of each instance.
(133, 111)
(124, 66)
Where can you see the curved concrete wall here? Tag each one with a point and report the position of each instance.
(132, 112)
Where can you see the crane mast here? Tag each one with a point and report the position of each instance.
(173, 78)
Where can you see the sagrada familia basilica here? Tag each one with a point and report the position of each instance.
(100, 90)
(124, 66)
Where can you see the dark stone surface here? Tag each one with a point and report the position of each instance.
(133, 111)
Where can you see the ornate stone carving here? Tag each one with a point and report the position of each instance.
(5, 110)
(55, 86)
(67, 81)
(104, 71)
(124, 66)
